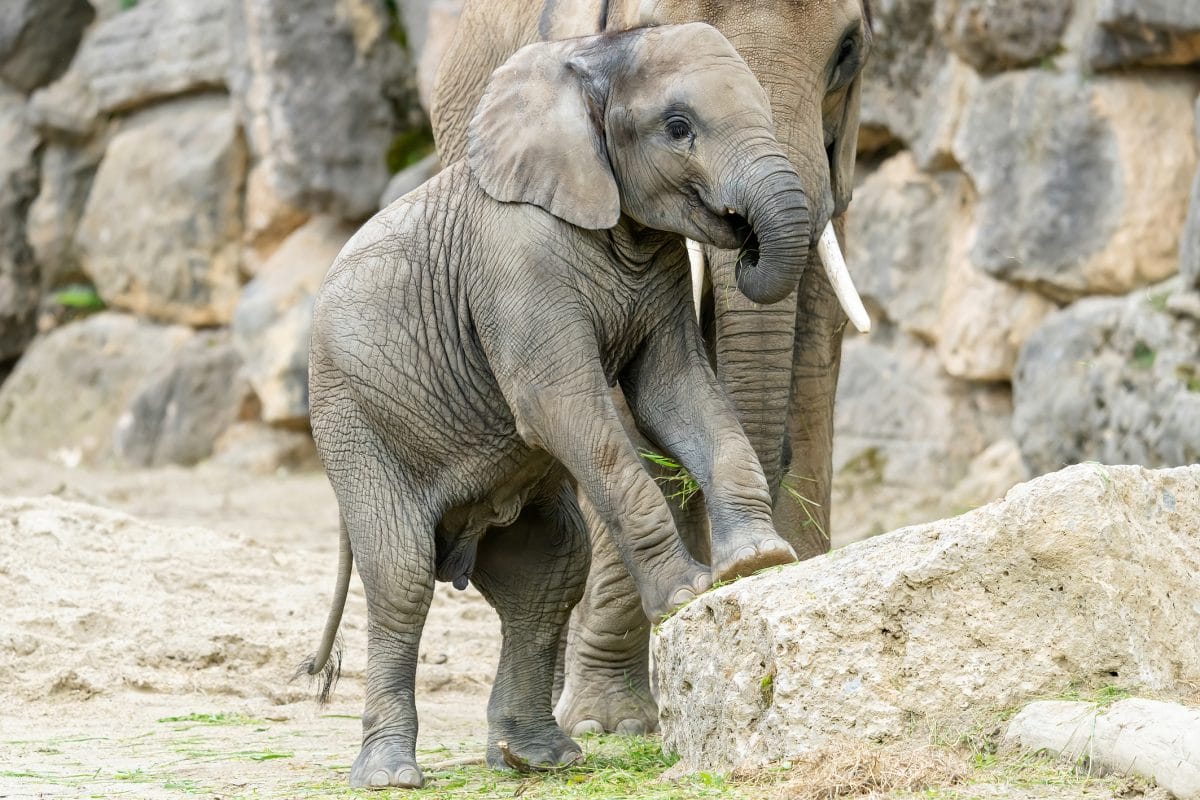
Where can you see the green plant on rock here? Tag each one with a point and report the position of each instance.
(1189, 375)
(409, 147)
(79, 297)
(1143, 356)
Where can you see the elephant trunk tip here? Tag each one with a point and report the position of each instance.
(324, 673)
(773, 224)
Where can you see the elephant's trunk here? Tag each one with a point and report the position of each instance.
(777, 232)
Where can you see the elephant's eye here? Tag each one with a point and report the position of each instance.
(846, 51)
(678, 129)
(846, 62)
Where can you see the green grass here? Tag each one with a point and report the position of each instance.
(806, 504)
(48, 777)
(678, 484)
(133, 775)
(680, 487)
(222, 718)
(617, 767)
(1103, 697)
(261, 755)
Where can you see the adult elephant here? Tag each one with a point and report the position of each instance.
(778, 363)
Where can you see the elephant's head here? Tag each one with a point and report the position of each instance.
(809, 55)
(666, 125)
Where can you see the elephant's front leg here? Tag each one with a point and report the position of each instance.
(676, 401)
(572, 416)
(803, 515)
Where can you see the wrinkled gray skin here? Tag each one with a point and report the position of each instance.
(466, 339)
(779, 362)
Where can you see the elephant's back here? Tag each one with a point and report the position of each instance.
(391, 322)
(488, 32)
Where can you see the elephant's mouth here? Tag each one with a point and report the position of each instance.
(743, 232)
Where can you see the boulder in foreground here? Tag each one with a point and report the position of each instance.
(1083, 577)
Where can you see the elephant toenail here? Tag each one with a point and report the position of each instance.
(631, 727)
(682, 596)
(587, 726)
(409, 778)
(378, 778)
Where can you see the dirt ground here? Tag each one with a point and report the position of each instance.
(153, 656)
(151, 622)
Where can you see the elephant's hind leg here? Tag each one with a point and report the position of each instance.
(392, 540)
(606, 686)
(533, 573)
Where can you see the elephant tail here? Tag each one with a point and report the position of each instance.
(325, 666)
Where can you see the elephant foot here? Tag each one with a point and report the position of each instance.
(527, 748)
(660, 603)
(384, 763)
(606, 701)
(749, 556)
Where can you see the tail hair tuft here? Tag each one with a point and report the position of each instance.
(324, 677)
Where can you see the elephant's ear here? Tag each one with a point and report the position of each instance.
(845, 148)
(537, 135)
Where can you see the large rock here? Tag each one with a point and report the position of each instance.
(178, 413)
(982, 322)
(1068, 200)
(901, 418)
(910, 231)
(274, 318)
(914, 90)
(268, 221)
(900, 231)
(1154, 32)
(265, 449)
(314, 83)
(67, 174)
(72, 386)
(1079, 579)
(993, 36)
(152, 51)
(38, 37)
(160, 233)
(1115, 380)
(18, 186)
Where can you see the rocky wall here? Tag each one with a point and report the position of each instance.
(1028, 198)
(175, 178)
(1025, 230)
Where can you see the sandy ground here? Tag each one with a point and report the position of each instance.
(197, 608)
(151, 622)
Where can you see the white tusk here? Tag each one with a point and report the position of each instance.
(696, 260)
(839, 278)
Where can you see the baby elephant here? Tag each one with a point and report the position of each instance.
(466, 341)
